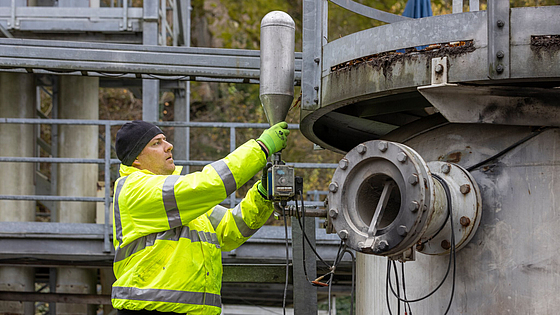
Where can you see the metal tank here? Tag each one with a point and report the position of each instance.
(450, 159)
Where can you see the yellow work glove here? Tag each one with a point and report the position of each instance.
(275, 138)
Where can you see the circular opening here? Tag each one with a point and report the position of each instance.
(369, 196)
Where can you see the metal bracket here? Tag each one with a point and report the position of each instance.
(498, 39)
(439, 70)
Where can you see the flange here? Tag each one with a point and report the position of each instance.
(380, 196)
(384, 201)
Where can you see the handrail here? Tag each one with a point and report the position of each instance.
(107, 161)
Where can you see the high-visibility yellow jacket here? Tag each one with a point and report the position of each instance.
(169, 232)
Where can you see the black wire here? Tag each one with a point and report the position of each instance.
(504, 151)
(387, 279)
(307, 239)
(404, 290)
(451, 253)
(287, 262)
(397, 285)
(450, 207)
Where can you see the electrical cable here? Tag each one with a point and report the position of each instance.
(404, 291)
(509, 148)
(451, 256)
(397, 285)
(287, 261)
(307, 239)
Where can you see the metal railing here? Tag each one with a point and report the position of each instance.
(107, 161)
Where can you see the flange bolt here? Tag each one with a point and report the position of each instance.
(465, 189)
(382, 146)
(361, 148)
(333, 187)
(401, 157)
(414, 206)
(465, 221)
(445, 168)
(333, 213)
(343, 164)
(402, 230)
(383, 246)
(343, 234)
(413, 179)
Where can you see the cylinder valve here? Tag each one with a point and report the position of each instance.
(385, 200)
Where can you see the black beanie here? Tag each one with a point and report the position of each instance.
(132, 138)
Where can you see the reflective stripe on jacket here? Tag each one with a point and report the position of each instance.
(169, 232)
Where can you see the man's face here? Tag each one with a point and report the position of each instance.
(156, 157)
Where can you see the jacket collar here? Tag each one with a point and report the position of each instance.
(127, 170)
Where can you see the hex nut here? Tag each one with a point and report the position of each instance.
(383, 245)
(500, 54)
(343, 234)
(499, 68)
(402, 230)
(500, 23)
(439, 68)
(445, 168)
(361, 148)
(401, 157)
(465, 221)
(333, 213)
(413, 179)
(382, 146)
(333, 187)
(414, 206)
(343, 164)
(465, 189)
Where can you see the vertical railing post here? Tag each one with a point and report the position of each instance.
(106, 243)
(314, 33)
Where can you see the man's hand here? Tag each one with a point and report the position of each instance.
(275, 138)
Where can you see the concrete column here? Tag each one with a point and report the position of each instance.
(78, 99)
(17, 100)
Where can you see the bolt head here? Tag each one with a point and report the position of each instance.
(333, 213)
(413, 179)
(445, 168)
(414, 206)
(465, 189)
(343, 234)
(382, 146)
(465, 221)
(361, 148)
(343, 164)
(500, 54)
(439, 68)
(401, 157)
(383, 245)
(402, 230)
(333, 187)
(445, 244)
(500, 23)
(499, 68)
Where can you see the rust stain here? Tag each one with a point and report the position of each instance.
(453, 157)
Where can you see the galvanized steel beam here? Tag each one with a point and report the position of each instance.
(150, 62)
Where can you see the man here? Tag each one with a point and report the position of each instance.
(169, 229)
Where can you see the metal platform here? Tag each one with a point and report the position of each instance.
(368, 88)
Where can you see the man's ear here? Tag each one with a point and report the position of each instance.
(136, 163)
